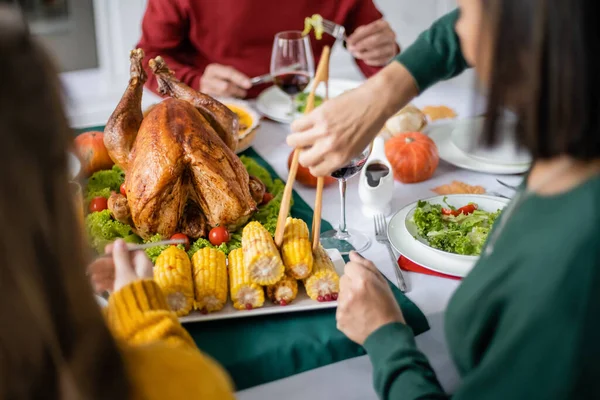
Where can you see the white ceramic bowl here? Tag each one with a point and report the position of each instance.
(484, 203)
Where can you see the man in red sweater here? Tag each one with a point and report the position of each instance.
(215, 46)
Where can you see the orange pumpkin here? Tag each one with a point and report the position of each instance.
(413, 155)
(305, 177)
(92, 152)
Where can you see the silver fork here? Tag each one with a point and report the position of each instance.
(506, 185)
(497, 195)
(335, 30)
(381, 236)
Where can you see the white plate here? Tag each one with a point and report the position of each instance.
(448, 152)
(405, 243)
(466, 136)
(301, 303)
(275, 105)
(74, 165)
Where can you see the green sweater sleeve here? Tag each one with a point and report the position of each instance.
(436, 54)
(400, 370)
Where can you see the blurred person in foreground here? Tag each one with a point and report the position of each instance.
(217, 46)
(54, 341)
(524, 323)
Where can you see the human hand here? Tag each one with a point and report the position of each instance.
(365, 301)
(124, 267)
(374, 43)
(224, 81)
(341, 128)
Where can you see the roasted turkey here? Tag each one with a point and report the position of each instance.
(181, 172)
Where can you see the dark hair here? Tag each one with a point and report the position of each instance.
(53, 340)
(545, 67)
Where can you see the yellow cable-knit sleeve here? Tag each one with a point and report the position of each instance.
(138, 314)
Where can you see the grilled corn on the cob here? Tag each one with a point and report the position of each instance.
(173, 273)
(210, 279)
(245, 294)
(261, 256)
(324, 282)
(284, 291)
(296, 249)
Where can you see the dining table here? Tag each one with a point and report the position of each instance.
(352, 379)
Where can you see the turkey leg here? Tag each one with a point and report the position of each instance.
(123, 125)
(224, 121)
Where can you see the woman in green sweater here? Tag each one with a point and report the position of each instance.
(525, 323)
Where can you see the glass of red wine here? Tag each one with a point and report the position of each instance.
(292, 65)
(344, 239)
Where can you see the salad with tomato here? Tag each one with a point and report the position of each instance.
(461, 230)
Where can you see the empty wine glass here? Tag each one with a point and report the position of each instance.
(292, 65)
(344, 239)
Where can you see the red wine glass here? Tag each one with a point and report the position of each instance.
(292, 65)
(344, 239)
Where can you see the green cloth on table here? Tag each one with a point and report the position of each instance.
(524, 323)
(257, 350)
(436, 54)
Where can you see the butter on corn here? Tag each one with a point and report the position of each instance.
(323, 284)
(296, 249)
(261, 255)
(173, 273)
(245, 294)
(284, 291)
(210, 279)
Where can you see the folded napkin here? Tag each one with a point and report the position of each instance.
(407, 265)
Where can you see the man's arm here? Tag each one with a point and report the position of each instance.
(164, 33)
(436, 54)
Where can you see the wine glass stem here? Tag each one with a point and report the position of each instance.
(342, 228)
(293, 106)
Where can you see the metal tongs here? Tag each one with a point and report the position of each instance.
(322, 75)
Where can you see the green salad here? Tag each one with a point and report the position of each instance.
(302, 98)
(460, 231)
(103, 229)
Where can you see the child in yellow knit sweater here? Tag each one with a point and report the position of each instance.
(151, 335)
(54, 341)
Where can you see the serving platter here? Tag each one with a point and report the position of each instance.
(275, 105)
(403, 236)
(301, 303)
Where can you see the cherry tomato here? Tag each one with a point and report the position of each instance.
(218, 235)
(267, 197)
(98, 204)
(468, 209)
(184, 237)
(123, 190)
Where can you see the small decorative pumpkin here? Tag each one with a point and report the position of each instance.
(413, 155)
(92, 153)
(304, 177)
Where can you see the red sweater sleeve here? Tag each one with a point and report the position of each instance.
(165, 30)
(364, 13)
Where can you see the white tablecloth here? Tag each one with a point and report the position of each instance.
(351, 379)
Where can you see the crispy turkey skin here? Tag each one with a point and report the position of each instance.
(181, 171)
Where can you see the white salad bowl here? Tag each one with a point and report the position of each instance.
(402, 234)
